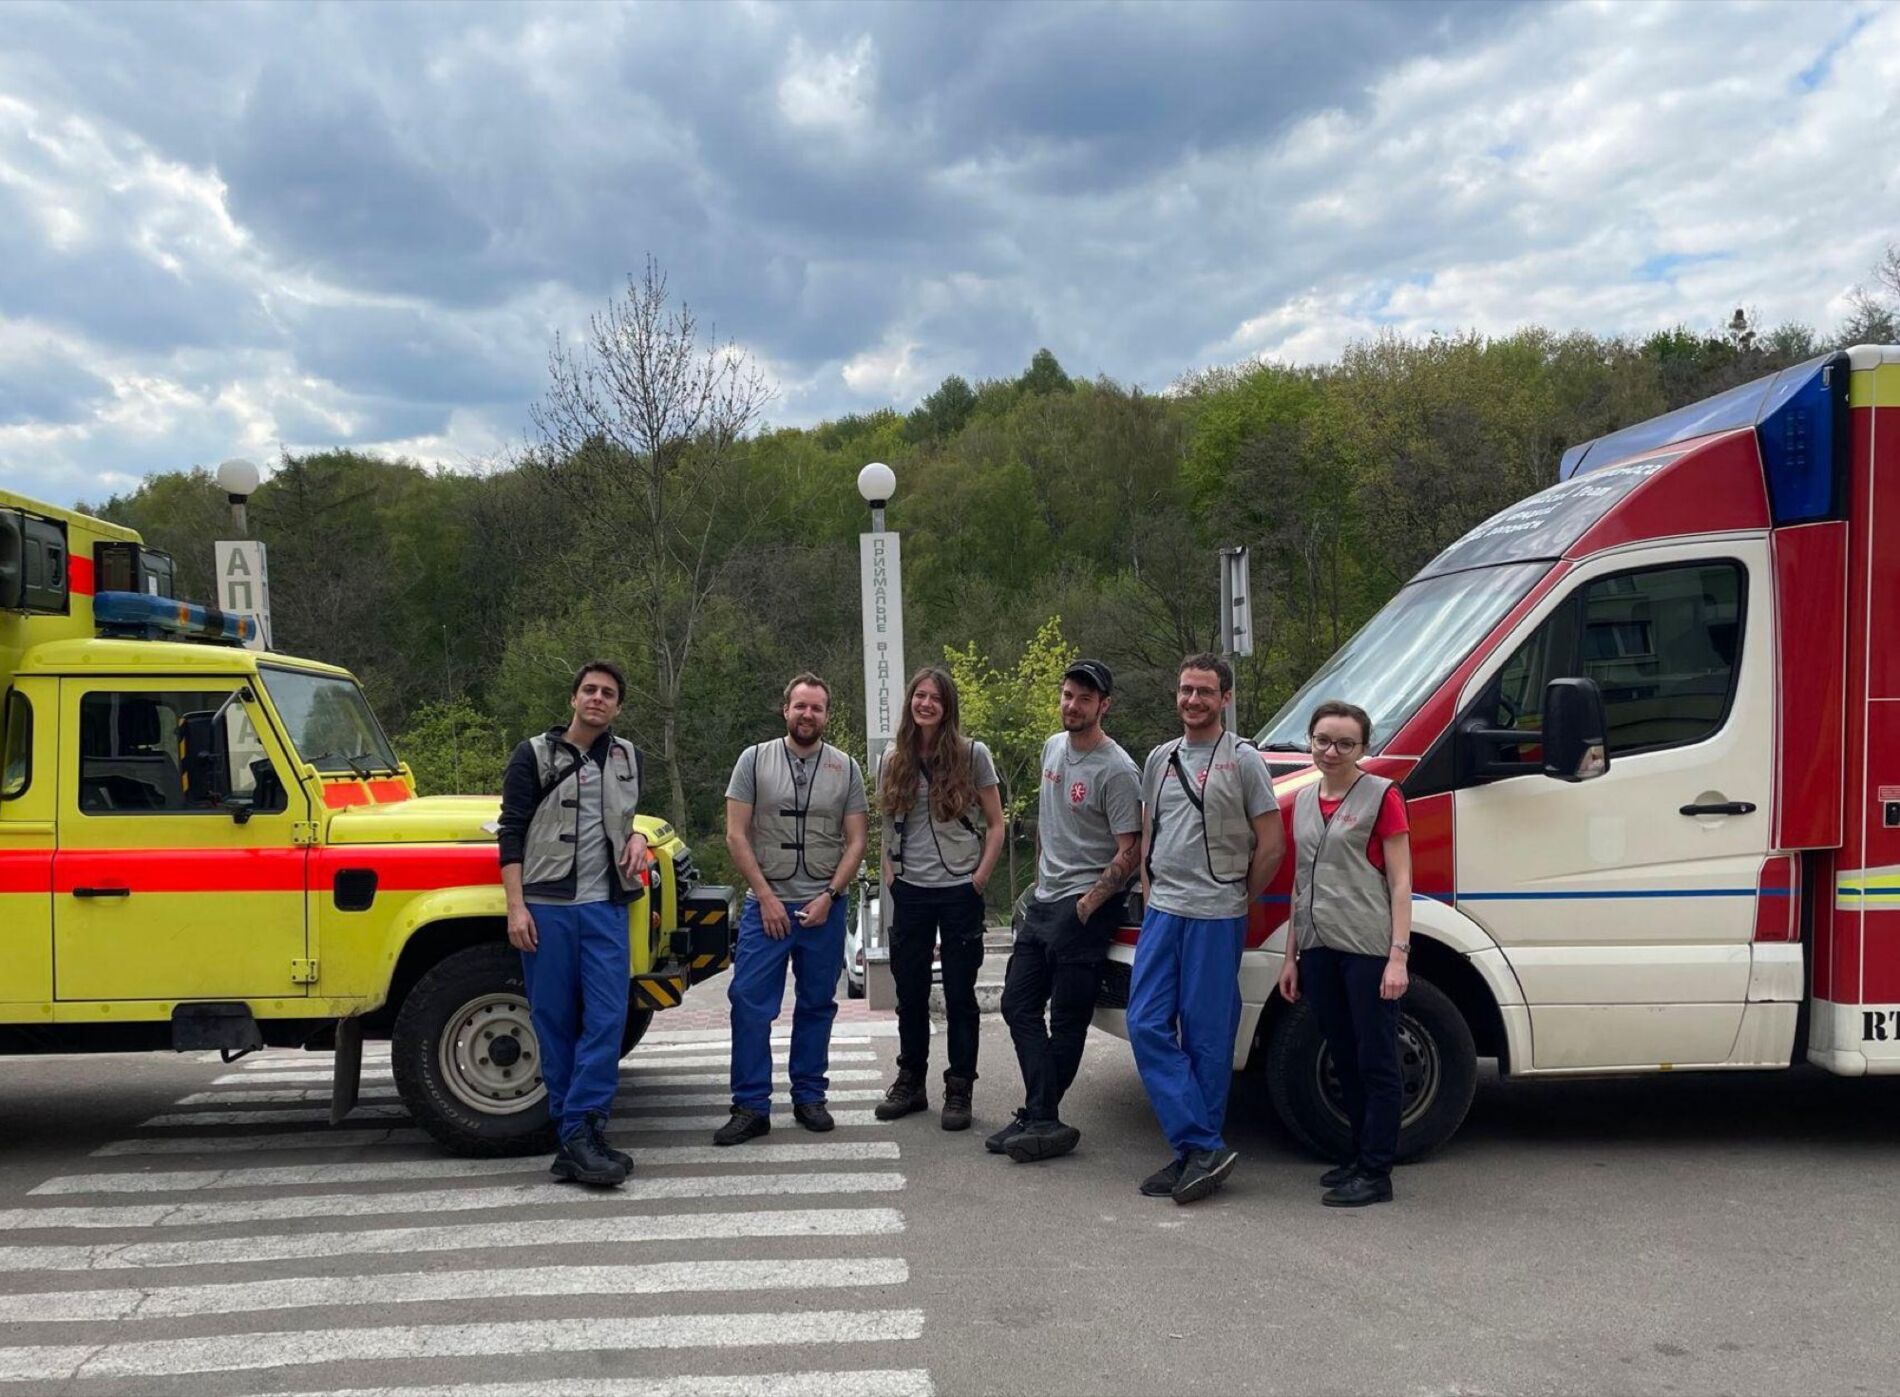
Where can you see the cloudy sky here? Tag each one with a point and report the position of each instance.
(236, 228)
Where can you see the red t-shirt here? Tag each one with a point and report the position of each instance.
(1392, 820)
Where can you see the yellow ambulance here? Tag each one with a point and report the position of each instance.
(207, 846)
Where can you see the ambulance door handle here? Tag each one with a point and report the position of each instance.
(102, 892)
(1726, 807)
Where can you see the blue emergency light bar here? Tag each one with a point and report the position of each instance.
(152, 618)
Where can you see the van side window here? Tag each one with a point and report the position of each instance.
(16, 749)
(1663, 644)
(130, 754)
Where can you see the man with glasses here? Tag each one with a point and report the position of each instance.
(1211, 842)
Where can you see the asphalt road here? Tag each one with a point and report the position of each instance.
(173, 1226)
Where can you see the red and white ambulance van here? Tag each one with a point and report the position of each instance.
(1691, 858)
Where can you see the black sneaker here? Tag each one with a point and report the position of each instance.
(1359, 1191)
(1202, 1173)
(999, 1142)
(746, 1124)
(580, 1159)
(1042, 1140)
(906, 1094)
(1333, 1178)
(597, 1128)
(1160, 1184)
(815, 1116)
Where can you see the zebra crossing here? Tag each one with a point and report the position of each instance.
(227, 1245)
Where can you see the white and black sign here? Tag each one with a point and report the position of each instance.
(244, 585)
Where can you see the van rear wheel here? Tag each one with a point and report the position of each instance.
(1438, 1063)
(465, 1058)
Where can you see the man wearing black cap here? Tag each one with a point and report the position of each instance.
(1088, 837)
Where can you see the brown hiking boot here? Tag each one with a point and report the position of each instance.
(907, 1094)
(956, 1103)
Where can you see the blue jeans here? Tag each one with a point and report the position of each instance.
(577, 996)
(1183, 1012)
(816, 955)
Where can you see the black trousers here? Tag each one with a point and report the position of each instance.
(1056, 967)
(1362, 1031)
(922, 919)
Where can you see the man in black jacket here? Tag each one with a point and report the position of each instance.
(571, 862)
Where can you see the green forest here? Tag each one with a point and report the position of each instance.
(655, 515)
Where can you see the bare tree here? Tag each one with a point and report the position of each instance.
(641, 427)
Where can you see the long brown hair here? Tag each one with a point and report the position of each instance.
(952, 780)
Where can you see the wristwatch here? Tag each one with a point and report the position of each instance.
(833, 893)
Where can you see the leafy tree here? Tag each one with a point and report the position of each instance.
(453, 748)
(1014, 711)
(943, 413)
(1045, 375)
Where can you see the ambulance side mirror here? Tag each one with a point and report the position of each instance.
(205, 760)
(1575, 745)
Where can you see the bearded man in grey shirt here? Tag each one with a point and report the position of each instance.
(1087, 831)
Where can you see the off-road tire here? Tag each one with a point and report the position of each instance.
(432, 1010)
(1439, 1060)
(638, 1022)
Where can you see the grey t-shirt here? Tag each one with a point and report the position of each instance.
(1087, 798)
(1181, 882)
(593, 855)
(800, 887)
(922, 860)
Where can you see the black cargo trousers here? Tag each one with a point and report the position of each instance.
(1055, 967)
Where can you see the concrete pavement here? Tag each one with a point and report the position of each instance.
(1669, 1235)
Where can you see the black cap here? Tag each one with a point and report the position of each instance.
(1093, 673)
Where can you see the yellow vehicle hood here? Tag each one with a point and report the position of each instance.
(423, 820)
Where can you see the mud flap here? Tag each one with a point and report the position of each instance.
(707, 925)
(347, 1074)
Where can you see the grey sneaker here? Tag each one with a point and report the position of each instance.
(1203, 1172)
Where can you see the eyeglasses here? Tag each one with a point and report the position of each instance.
(1341, 745)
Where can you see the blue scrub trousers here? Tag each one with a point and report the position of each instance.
(1183, 1012)
(577, 994)
(816, 956)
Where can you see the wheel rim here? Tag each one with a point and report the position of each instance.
(1419, 1074)
(490, 1058)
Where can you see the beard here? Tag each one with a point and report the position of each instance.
(805, 731)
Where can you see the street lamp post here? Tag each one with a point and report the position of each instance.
(238, 479)
(880, 576)
(240, 564)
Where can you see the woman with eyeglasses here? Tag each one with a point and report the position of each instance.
(1351, 934)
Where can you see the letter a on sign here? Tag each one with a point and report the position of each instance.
(244, 585)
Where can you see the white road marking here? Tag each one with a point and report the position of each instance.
(639, 1095)
(293, 1348)
(635, 1190)
(375, 1054)
(419, 1287)
(244, 1089)
(259, 1144)
(646, 1229)
(865, 1382)
(307, 1072)
(392, 1171)
(275, 1115)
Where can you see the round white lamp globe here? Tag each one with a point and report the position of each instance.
(877, 482)
(237, 477)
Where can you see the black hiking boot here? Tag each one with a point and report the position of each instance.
(597, 1128)
(580, 1159)
(745, 1124)
(815, 1116)
(956, 1103)
(907, 1094)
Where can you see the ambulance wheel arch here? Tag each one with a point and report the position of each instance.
(463, 1049)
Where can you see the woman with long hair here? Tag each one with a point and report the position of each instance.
(943, 832)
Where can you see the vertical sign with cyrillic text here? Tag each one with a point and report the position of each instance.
(244, 585)
(883, 639)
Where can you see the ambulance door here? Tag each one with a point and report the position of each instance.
(28, 728)
(161, 891)
(1627, 904)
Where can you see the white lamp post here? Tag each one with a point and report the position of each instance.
(880, 574)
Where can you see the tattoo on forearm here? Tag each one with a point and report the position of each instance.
(1115, 877)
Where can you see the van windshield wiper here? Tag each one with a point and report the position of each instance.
(362, 773)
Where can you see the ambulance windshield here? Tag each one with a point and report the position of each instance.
(330, 722)
(1404, 653)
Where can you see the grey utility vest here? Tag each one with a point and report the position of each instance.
(959, 843)
(550, 853)
(1226, 832)
(1339, 899)
(790, 833)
